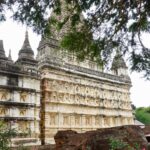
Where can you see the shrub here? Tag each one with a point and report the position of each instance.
(6, 134)
(116, 144)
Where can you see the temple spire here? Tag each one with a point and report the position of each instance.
(2, 52)
(119, 66)
(9, 56)
(26, 45)
(26, 50)
(65, 9)
(26, 54)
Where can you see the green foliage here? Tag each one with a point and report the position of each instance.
(5, 136)
(79, 46)
(116, 144)
(111, 25)
(143, 114)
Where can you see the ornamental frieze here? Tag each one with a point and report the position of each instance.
(87, 91)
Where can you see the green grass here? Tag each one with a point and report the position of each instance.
(143, 115)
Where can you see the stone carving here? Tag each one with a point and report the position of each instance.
(88, 120)
(106, 121)
(22, 112)
(65, 120)
(3, 111)
(77, 89)
(4, 96)
(87, 91)
(23, 96)
(105, 103)
(52, 119)
(60, 97)
(54, 96)
(77, 120)
(23, 127)
(97, 120)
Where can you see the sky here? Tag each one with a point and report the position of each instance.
(13, 35)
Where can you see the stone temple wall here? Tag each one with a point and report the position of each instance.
(20, 104)
(79, 95)
(80, 102)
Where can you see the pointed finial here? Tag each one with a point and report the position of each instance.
(26, 50)
(26, 45)
(118, 62)
(2, 52)
(9, 56)
(1, 45)
(26, 34)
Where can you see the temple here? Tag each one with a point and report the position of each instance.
(20, 95)
(55, 92)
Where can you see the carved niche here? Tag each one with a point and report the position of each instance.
(60, 97)
(65, 120)
(97, 120)
(66, 86)
(113, 121)
(106, 121)
(103, 94)
(77, 120)
(23, 96)
(4, 96)
(77, 89)
(66, 98)
(53, 96)
(105, 102)
(77, 100)
(3, 111)
(54, 86)
(82, 89)
(122, 120)
(88, 120)
(60, 86)
(95, 92)
(23, 126)
(22, 112)
(87, 91)
(52, 119)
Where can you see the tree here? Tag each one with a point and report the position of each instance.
(143, 114)
(109, 25)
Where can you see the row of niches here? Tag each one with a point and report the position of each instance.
(25, 97)
(9, 80)
(25, 128)
(76, 80)
(68, 58)
(80, 120)
(17, 112)
(65, 87)
(66, 98)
